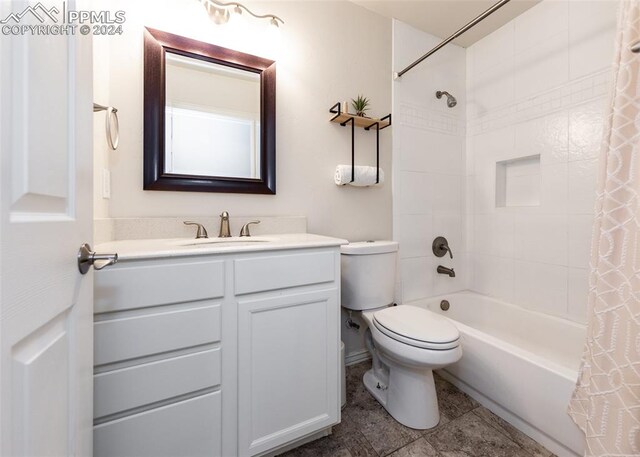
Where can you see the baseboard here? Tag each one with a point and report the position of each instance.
(526, 428)
(304, 440)
(356, 357)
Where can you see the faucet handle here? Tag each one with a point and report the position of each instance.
(201, 233)
(440, 247)
(244, 231)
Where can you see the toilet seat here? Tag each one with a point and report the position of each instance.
(417, 327)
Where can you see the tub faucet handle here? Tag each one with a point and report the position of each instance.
(440, 247)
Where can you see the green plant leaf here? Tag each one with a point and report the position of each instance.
(360, 104)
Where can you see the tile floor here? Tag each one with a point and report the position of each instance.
(466, 429)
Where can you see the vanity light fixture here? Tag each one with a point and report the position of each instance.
(220, 12)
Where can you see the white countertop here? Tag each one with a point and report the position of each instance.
(178, 247)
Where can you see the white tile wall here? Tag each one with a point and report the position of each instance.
(495, 234)
(538, 85)
(416, 192)
(585, 130)
(591, 35)
(577, 289)
(417, 280)
(541, 287)
(443, 284)
(548, 133)
(550, 17)
(415, 233)
(580, 232)
(543, 66)
(582, 186)
(428, 166)
(554, 190)
(430, 152)
(494, 276)
(541, 238)
(518, 182)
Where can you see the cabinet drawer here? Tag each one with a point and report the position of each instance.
(283, 270)
(130, 287)
(137, 336)
(191, 428)
(132, 387)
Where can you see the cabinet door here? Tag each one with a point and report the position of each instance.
(288, 363)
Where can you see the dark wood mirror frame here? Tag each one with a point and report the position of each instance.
(156, 44)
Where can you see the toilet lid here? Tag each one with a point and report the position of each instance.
(417, 327)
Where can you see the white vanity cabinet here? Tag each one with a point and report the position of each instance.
(230, 354)
(288, 347)
(157, 358)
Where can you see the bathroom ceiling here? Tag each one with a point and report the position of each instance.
(443, 17)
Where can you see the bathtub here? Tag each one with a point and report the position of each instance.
(520, 364)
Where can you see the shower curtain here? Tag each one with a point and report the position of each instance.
(606, 401)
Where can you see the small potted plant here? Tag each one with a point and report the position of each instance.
(360, 105)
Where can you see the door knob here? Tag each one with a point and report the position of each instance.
(86, 258)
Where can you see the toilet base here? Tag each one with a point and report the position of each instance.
(409, 396)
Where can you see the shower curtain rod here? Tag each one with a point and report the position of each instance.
(466, 27)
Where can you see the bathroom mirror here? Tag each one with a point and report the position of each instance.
(209, 117)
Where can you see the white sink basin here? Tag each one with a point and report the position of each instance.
(234, 240)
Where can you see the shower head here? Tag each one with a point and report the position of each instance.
(451, 100)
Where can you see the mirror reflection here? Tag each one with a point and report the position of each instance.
(212, 119)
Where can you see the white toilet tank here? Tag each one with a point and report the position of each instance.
(368, 274)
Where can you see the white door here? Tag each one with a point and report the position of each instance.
(46, 341)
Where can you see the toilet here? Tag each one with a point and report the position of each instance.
(406, 342)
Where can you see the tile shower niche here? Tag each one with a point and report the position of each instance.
(518, 182)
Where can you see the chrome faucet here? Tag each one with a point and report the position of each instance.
(446, 271)
(225, 231)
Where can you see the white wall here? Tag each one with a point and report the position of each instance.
(538, 85)
(326, 52)
(428, 146)
(101, 150)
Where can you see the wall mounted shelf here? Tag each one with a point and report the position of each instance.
(366, 123)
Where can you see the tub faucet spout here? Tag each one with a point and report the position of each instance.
(446, 271)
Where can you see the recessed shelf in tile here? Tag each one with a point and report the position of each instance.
(518, 182)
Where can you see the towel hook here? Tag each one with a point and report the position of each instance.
(112, 124)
